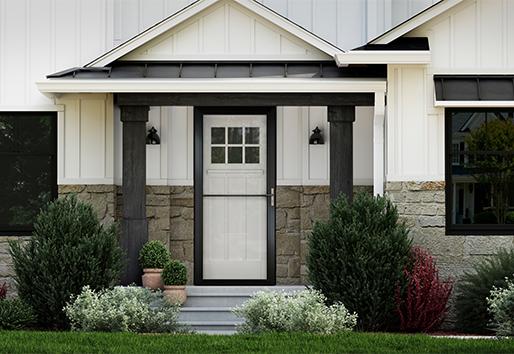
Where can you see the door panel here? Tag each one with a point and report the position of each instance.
(234, 197)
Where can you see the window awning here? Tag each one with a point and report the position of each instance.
(474, 90)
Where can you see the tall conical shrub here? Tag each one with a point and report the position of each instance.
(69, 249)
(358, 258)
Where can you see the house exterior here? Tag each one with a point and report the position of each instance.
(234, 172)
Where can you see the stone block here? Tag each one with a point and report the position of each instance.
(288, 244)
(181, 229)
(157, 200)
(71, 188)
(288, 197)
(293, 267)
(100, 188)
(281, 219)
(487, 245)
(431, 221)
(282, 270)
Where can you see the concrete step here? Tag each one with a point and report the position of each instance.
(208, 309)
(223, 314)
(228, 296)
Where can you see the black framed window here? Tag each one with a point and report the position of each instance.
(480, 171)
(28, 157)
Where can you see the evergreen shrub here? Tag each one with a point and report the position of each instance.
(69, 249)
(357, 258)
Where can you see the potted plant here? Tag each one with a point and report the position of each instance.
(174, 276)
(153, 257)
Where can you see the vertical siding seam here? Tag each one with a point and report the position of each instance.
(227, 27)
(478, 35)
(53, 36)
(140, 15)
(2, 50)
(78, 55)
(28, 71)
(505, 34)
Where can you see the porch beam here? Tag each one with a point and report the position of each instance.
(341, 120)
(245, 99)
(134, 224)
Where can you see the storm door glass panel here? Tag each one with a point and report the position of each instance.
(234, 199)
(28, 160)
(482, 168)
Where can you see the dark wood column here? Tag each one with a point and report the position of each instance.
(134, 224)
(341, 120)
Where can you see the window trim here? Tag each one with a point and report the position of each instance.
(12, 230)
(465, 229)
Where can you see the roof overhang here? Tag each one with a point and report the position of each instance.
(383, 57)
(415, 21)
(246, 85)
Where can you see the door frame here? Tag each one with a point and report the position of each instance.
(271, 181)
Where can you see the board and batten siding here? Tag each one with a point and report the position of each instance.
(477, 37)
(38, 37)
(90, 144)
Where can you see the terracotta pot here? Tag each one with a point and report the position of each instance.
(152, 278)
(175, 293)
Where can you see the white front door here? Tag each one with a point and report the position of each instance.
(234, 197)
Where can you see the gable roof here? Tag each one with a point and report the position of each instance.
(415, 21)
(197, 7)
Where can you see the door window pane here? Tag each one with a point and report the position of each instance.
(252, 154)
(217, 154)
(217, 135)
(235, 136)
(235, 154)
(251, 135)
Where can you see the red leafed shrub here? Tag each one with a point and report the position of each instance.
(3, 291)
(422, 303)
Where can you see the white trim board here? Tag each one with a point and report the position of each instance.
(383, 57)
(249, 85)
(474, 104)
(40, 108)
(200, 5)
(415, 21)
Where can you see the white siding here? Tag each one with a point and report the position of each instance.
(226, 30)
(298, 163)
(474, 37)
(86, 136)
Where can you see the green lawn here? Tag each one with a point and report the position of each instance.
(73, 342)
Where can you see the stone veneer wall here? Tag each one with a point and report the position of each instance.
(298, 207)
(170, 212)
(422, 206)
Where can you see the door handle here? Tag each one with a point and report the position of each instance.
(272, 196)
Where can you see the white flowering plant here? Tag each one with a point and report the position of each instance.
(303, 311)
(501, 307)
(122, 309)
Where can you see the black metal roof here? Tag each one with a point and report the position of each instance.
(402, 43)
(474, 87)
(176, 70)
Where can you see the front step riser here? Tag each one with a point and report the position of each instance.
(215, 301)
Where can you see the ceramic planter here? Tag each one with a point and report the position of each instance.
(175, 293)
(152, 278)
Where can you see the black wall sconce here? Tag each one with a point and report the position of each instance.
(153, 138)
(316, 137)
